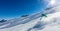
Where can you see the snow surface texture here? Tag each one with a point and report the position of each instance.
(35, 22)
(49, 23)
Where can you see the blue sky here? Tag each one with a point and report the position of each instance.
(15, 8)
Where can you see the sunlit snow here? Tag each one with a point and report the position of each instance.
(37, 23)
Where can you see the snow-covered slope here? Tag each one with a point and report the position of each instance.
(50, 23)
(35, 22)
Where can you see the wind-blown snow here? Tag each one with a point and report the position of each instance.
(49, 23)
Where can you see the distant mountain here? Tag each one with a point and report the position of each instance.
(1, 21)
